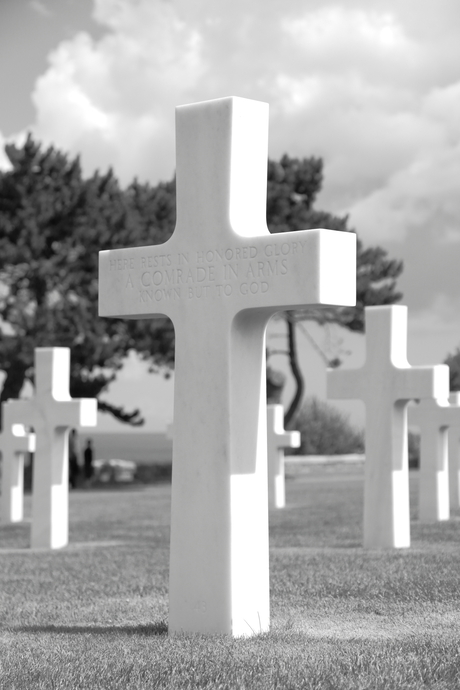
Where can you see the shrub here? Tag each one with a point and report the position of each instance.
(326, 431)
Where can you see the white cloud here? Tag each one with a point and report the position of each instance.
(441, 316)
(442, 105)
(40, 8)
(113, 100)
(373, 88)
(434, 331)
(425, 192)
(356, 39)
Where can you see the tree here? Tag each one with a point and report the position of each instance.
(453, 362)
(325, 430)
(52, 225)
(293, 185)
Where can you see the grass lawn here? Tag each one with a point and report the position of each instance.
(94, 615)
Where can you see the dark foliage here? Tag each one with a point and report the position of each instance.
(293, 186)
(326, 431)
(53, 223)
(453, 361)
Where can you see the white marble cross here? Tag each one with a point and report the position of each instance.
(15, 442)
(169, 431)
(277, 440)
(454, 457)
(52, 413)
(386, 384)
(220, 277)
(434, 418)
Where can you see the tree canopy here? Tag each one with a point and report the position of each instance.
(53, 223)
(293, 185)
(453, 362)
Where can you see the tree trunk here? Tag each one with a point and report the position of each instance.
(12, 386)
(295, 369)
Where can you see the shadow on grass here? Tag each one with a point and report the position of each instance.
(154, 629)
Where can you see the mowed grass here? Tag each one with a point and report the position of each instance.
(94, 615)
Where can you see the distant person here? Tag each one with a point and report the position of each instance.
(74, 468)
(88, 457)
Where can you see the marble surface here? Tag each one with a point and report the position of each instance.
(52, 413)
(454, 457)
(277, 440)
(15, 442)
(220, 277)
(386, 384)
(434, 418)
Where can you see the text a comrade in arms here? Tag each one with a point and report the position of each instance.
(206, 273)
(210, 256)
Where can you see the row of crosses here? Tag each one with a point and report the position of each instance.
(220, 278)
(52, 413)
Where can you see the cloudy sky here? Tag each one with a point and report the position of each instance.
(372, 87)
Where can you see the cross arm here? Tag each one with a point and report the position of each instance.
(276, 432)
(24, 441)
(16, 433)
(437, 411)
(75, 412)
(314, 267)
(271, 271)
(20, 411)
(132, 281)
(345, 384)
(88, 411)
(290, 439)
(414, 383)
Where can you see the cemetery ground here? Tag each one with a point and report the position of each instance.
(94, 615)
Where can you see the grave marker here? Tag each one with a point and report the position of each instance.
(15, 442)
(434, 418)
(52, 413)
(220, 277)
(454, 457)
(277, 440)
(386, 383)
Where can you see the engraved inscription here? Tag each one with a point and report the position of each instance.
(207, 274)
(121, 264)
